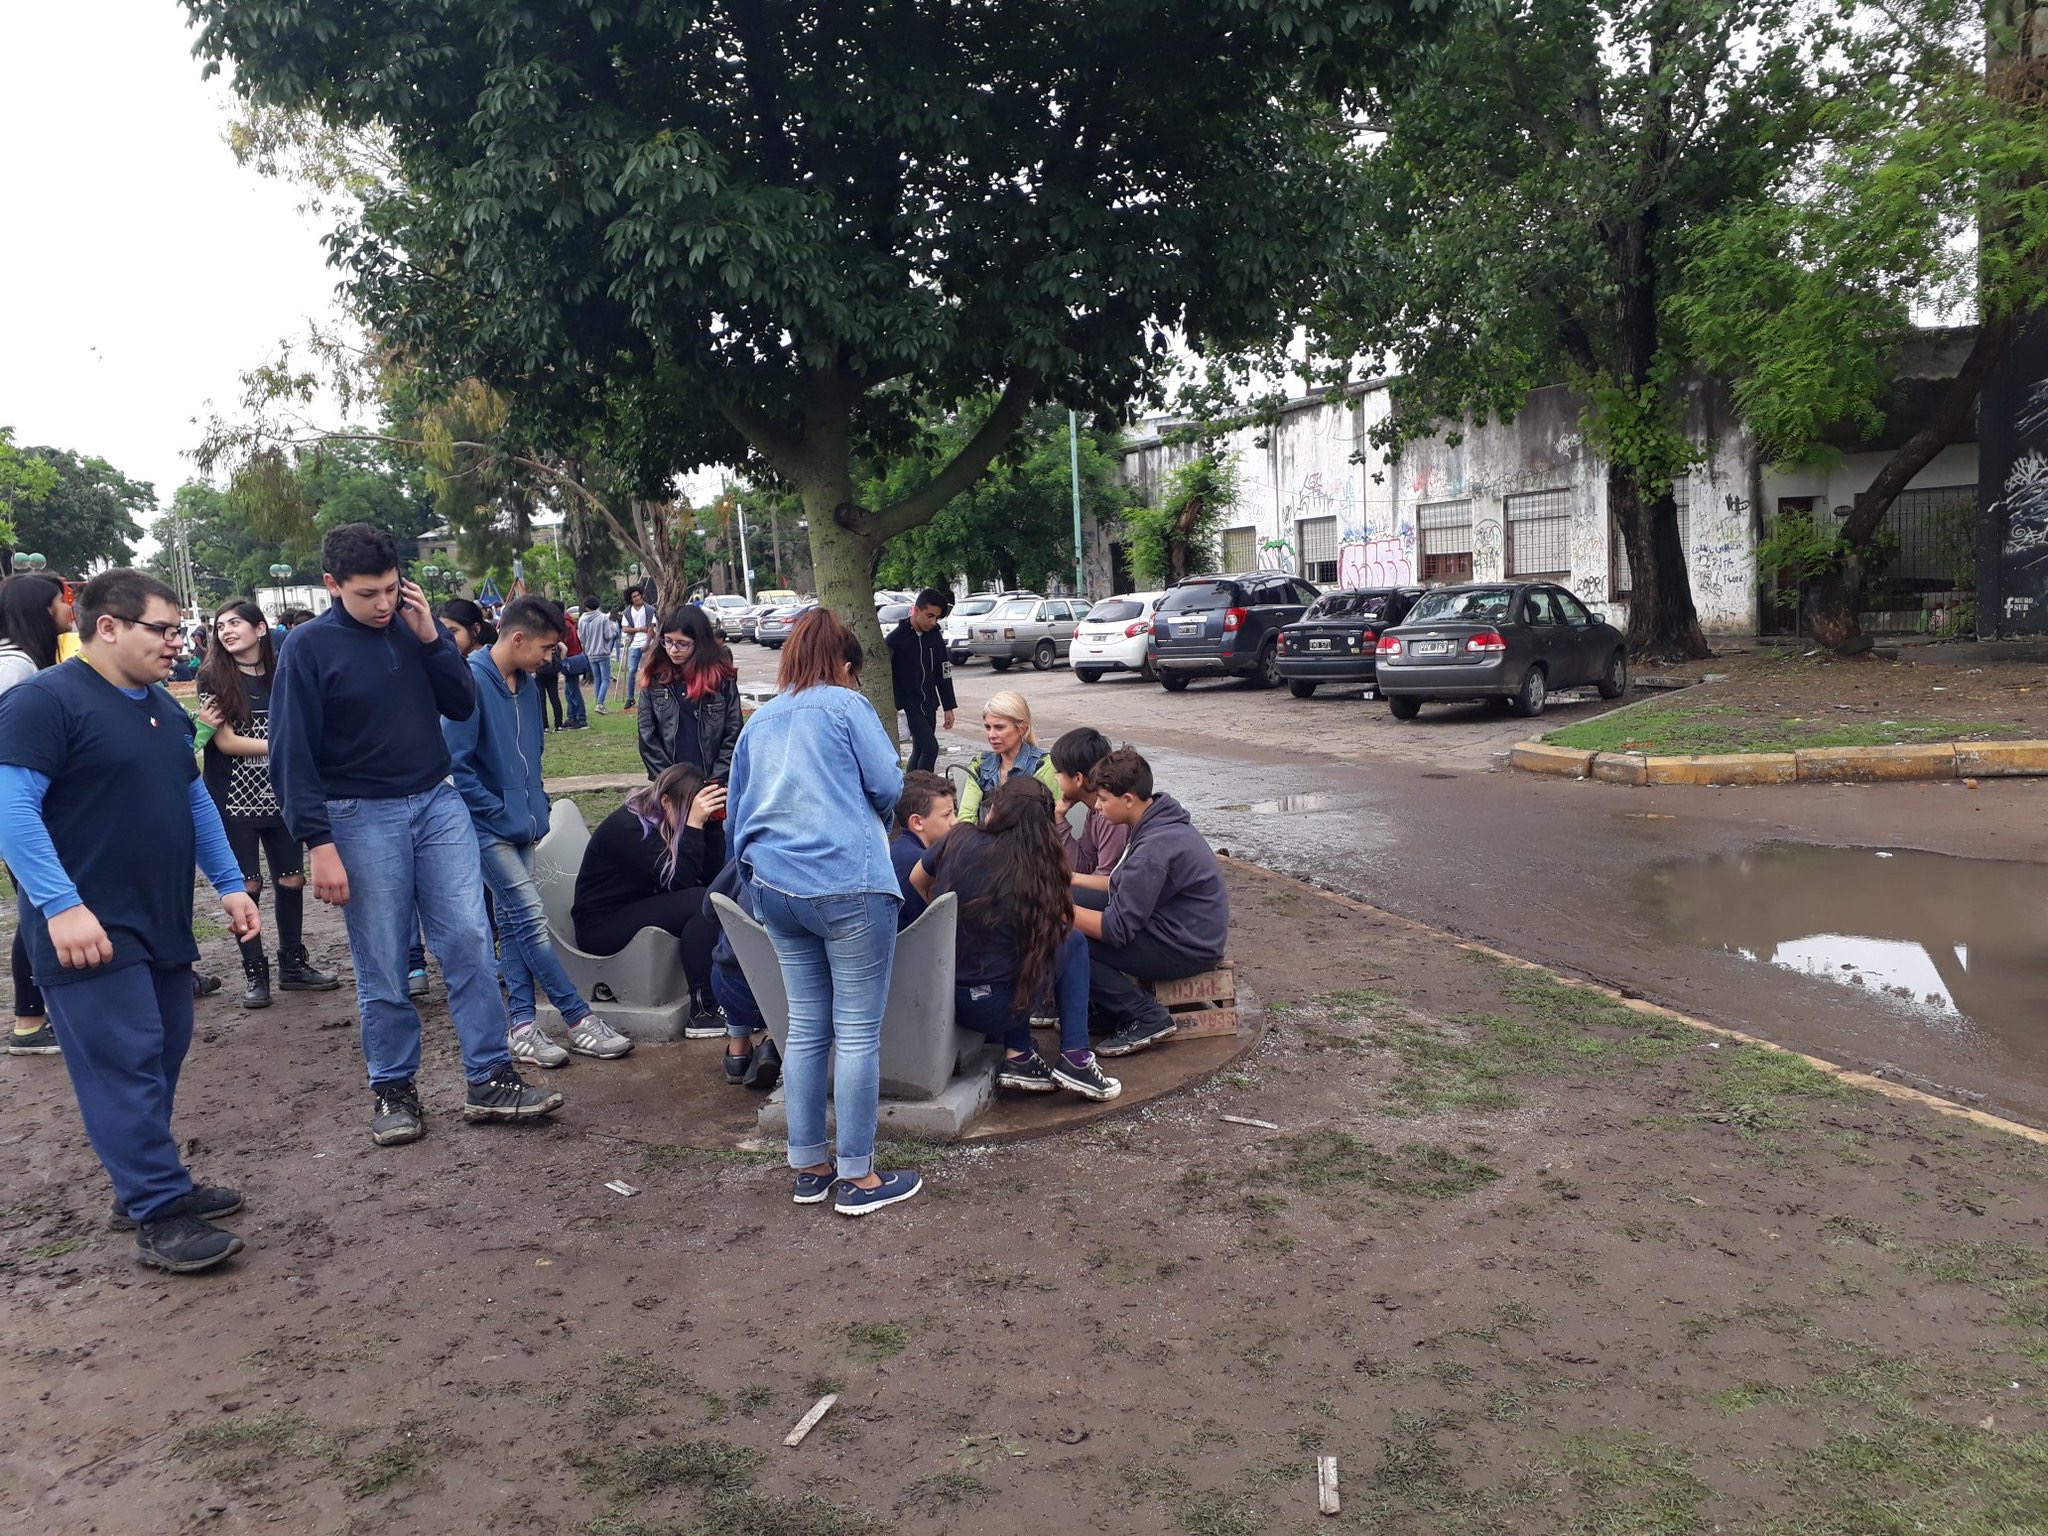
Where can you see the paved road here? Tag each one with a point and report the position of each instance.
(1425, 819)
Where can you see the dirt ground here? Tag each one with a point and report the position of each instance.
(1521, 1259)
(1776, 698)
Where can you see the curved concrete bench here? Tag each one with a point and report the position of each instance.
(642, 991)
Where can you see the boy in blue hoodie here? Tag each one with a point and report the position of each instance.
(497, 758)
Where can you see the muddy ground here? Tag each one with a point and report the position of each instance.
(1521, 1259)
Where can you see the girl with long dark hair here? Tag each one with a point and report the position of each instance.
(33, 614)
(690, 698)
(1017, 945)
(647, 866)
(234, 698)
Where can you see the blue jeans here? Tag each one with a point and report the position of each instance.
(125, 1034)
(574, 685)
(633, 655)
(417, 854)
(993, 1009)
(523, 940)
(600, 678)
(836, 954)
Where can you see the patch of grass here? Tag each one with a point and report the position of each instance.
(1630, 1485)
(1759, 1090)
(205, 930)
(1358, 1002)
(277, 1431)
(872, 1343)
(1218, 1514)
(1328, 1161)
(241, 1449)
(611, 745)
(941, 1492)
(1710, 729)
(625, 1385)
(54, 1249)
(596, 804)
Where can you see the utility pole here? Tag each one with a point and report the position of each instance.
(1074, 466)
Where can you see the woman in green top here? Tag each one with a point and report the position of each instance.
(1012, 749)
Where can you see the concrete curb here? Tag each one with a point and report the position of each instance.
(1810, 765)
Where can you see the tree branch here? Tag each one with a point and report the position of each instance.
(921, 505)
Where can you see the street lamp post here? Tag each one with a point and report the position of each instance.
(278, 573)
(32, 562)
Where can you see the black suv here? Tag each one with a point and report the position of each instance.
(1227, 624)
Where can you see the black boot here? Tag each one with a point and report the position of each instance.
(297, 973)
(257, 968)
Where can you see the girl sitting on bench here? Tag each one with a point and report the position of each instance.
(1017, 944)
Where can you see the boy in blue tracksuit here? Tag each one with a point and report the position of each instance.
(365, 782)
(496, 753)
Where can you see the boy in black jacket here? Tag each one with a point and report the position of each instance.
(922, 672)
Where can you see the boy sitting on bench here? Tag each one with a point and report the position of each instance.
(924, 815)
(1161, 915)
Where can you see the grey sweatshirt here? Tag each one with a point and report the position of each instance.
(1168, 886)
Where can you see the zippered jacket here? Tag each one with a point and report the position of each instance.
(496, 753)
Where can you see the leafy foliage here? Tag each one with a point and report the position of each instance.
(24, 481)
(1177, 538)
(86, 516)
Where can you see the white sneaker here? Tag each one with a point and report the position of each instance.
(594, 1037)
(530, 1046)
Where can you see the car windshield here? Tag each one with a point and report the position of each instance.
(1484, 607)
(1202, 597)
(974, 607)
(1017, 608)
(895, 613)
(1116, 610)
(1349, 605)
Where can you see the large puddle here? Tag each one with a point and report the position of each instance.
(1954, 941)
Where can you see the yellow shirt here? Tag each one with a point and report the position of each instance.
(68, 645)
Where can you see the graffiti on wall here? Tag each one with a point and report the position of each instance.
(2023, 501)
(1487, 553)
(1376, 563)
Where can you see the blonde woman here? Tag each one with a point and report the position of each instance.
(1013, 749)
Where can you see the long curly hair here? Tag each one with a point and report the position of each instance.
(220, 679)
(710, 666)
(1029, 887)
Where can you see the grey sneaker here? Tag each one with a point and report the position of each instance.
(504, 1095)
(532, 1048)
(42, 1041)
(397, 1118)
(594, 1037)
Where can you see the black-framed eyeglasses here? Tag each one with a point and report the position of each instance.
(161, 631)
(677, 642)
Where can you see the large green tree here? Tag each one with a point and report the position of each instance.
(1014, 527)
(88, 516)
(689, 232)
(23, 482)
(1541, 176)
(229, 558)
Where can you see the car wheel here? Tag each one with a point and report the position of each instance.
(1147, 671)
(1535, 693)
(1044, 655)
(1615, 681)
(1174, 682)
(1088, 674)
(1266, 673)
(999, 663)
(1404, 709)
(1302, 689)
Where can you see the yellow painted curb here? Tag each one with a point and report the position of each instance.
(1539, 757)
(1808, 765)
(1885, 1086)
(1875, 765)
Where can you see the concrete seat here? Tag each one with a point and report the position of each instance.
(642, 991)
(922, 1048)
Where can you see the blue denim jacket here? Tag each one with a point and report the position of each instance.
(814, 782)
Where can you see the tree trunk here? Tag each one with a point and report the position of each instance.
(1662, 621)
(1006, 569)
(1832, 600)
(843, 561)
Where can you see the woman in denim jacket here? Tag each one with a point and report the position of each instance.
(814, 780)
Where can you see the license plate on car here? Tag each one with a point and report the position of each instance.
(1319, 645)
(1433, 647)
(1188, 627)
(986, 634)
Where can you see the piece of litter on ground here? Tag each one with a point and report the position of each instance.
(542, 1263)
(620, 1187)
(1884, 855)
(809, 1421)
(1264, 1125)
(1326, 1485)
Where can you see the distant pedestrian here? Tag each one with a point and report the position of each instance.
(638, 626)
(598, 634)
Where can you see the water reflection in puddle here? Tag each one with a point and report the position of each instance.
(1286, 805)
(1952, 939)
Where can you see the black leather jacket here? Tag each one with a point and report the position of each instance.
(662, 712)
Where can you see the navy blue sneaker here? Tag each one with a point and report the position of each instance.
(851, 1200)
(813, 1188)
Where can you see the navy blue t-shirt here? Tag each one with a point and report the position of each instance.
(904, 852)
(119, 810)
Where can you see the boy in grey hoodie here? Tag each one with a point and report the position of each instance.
(1162, 913)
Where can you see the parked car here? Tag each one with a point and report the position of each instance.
(725, 610)
(1115, 635)
(1336, 640)
(1041, 628)
(1226, 624)
(774, 627)
(954, 625)
(889, 615)
(1515, 642)
(750, 621)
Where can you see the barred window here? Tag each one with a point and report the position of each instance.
(1937, 531)
(1623, 583)
(1444, 537)
(1539, 544)
(1316, 538)
(1240, 549)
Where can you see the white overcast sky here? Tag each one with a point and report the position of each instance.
(144, 269)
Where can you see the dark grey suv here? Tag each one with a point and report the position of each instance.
(1226, 624)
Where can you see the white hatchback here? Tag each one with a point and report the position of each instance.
(1114, 636)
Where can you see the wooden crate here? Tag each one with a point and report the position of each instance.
(1202, 1005)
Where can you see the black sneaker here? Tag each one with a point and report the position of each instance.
(738, 1067)
(297, 973)
(1091, 1082)
(204, 984)
(767, 1070)
(398, 1118)
(184, 1245)
(1029, 1073)
(42, 1042)
(504, 1095)
(257, 993)
(208, 1202)
(1133, 1038)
